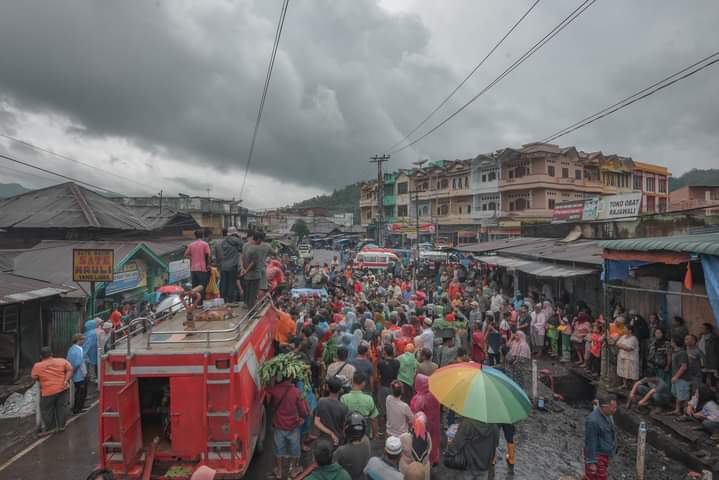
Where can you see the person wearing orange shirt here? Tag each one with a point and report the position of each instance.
(285, 328)
(54, 376)
(116, 317)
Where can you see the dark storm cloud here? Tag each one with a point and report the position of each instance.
(182, 79)
(188, 80)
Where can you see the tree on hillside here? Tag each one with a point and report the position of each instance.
(301, 229)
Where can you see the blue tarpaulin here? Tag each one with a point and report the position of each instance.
(619, 269)
(710, 265)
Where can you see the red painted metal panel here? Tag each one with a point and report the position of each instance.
(128, 403)
(187, 415)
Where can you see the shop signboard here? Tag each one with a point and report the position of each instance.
(619, 206)
(178, 270)
(92, 264)
(407, 228)
(568, 211)
(132, 276)
(608, 208)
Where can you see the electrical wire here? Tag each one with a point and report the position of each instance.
(266, 87)
(11, 159)
(65, 157)
(471, 73)
(536, 47)
(635, 97)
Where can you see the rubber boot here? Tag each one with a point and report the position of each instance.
(510, 457)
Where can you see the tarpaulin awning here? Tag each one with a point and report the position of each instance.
(710, 264)
(671, 258)
(544, 269)
(506, 262)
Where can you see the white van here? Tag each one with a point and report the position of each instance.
(374, 260)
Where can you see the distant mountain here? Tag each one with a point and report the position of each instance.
(695, 177)
(345, 199)
(11, 189)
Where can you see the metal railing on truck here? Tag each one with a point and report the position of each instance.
(146, 325)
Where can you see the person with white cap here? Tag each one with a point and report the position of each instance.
(427, 335)
(387, 467)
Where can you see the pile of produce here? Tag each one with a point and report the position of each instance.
(282, 367)
(441, 324)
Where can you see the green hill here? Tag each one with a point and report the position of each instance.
(11, 189)
(695, 177)
(345, 199)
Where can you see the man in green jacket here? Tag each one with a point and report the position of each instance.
(326, 470)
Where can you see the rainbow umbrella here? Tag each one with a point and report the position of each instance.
(481, 393)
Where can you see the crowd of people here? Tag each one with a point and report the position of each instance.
(372, 340)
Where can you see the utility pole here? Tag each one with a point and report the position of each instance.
(415, 192)
(160, 203)
(379, 160)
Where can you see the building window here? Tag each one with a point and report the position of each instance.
(443, 184)
(401, 210)
(492, 176)
(466, 182)
(469, 208)
(662, 185)
(565, 173)
(577, 174)
(551, 203)
(402, 188)
(454, 183)
(484, 178)
(550, 170)
(492, 206)
(637, 182)
(9, 320)
(511, 174)
(650, 185)
(443, 210)
(484, 207)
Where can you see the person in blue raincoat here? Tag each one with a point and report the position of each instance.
(90, 331)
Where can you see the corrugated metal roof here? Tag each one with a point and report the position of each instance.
(707, 243)
(157, 219)
(498, 244)
(66, 205)
(582, 251)
(553, 270)
(506, 262)
(51, 260)
(17, 289)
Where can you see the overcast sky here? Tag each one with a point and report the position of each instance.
(165, 93)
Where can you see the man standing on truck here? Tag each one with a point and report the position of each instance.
(228, 254)
(290, 410)
(253, 267)
(199, 254)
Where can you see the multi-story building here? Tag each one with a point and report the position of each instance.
(490, 195)
(696, 196)
(653, 182)
(368, 203)
(536, 177)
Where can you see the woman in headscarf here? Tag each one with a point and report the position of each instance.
(520, 356)
(424, 401)
(416, 445)
(349, 320)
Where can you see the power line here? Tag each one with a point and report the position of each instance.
(474, 70)
(278, 34)
(6, 157)
(536, 47)
(65, 157)
(635, 97)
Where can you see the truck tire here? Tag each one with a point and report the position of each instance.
(260, 445)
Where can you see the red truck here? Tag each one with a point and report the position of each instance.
(174, 396)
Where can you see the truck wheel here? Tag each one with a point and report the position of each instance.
(260, 445)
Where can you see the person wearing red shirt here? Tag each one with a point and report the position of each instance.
(290, 412)
(478, 345)
(199, 254)
(116, 318)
